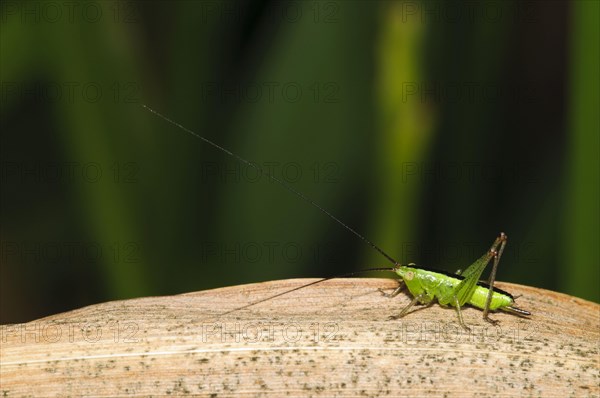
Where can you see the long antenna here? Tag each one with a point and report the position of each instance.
(273, 178)
(390, 269)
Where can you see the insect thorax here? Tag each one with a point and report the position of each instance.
(417, 280)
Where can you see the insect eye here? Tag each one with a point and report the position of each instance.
(410, 275)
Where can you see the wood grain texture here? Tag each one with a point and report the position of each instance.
(332, 339)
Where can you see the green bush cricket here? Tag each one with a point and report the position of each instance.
(462, 288)
(427, 286)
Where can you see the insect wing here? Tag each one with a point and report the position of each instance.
(465, 288)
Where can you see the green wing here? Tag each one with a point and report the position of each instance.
(464, 290)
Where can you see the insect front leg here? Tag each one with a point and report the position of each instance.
(423, 298)
(401, 286)
(503, 238)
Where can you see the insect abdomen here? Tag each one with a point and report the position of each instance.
(499, 300)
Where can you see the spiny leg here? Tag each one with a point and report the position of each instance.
(459, 313)
(396, 291)
(503, 238)
(409, 306)
(493, 249)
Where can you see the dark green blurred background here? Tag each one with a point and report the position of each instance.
(429, 127)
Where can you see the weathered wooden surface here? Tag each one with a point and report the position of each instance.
(332, 339)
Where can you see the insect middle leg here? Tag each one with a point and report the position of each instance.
(459, 313)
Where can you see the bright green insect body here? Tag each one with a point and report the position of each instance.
(428, 285)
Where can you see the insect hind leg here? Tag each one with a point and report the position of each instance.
(501, 240)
